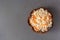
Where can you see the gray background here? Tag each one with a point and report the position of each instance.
(13, 19)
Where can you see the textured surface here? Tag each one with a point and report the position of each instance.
(40, 20)
(13, 19)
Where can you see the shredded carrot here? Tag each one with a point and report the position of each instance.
(44, 25)
(45, 18)
(34, 21)
(34, 17)
(36, 29)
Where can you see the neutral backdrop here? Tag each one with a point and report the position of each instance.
(13, 19)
